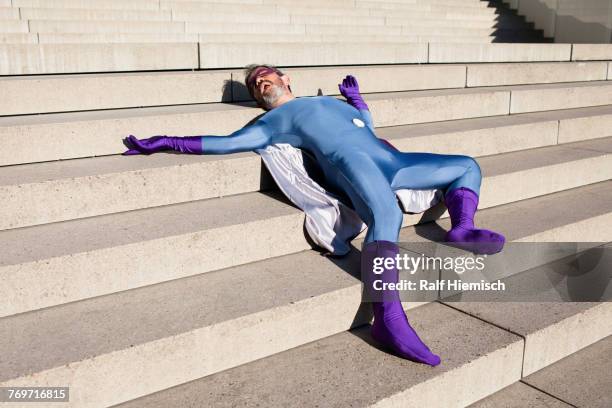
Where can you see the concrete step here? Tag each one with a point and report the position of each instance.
(233, 17)
(93, 14)
(37, 94)
(113, 339)
(447, 3)
(393, 33)
(519, 395)
(576, 95)
(587, 385)
(23, 59)
(347, 35)
(332, 29)
(90, 4)
(350, 29)
(94, 27)
(20, 59)
(338, 20)
(406, 19)
(256, 8)
(570, 326)
(439, 3)
(303, 9)
(471, 14)
(71, 38)
(339, 370)
(321, 26)
(8, 13)
(78, 38)
(133, 250)
(447, 53)
(311, 3)
(531, 160)
(450, 31)
(531, 73)
(24, 95)
(478, 358)
(13, 26)
(583, 52)
(578, 380)
(392, 5)
(347, 27)
(149, 7)
(101, 132)
(454, 22)
(18, 38)
(400, 6)
(216, 56)
(60, 258)
(487, 101)
(411, 35)
(501, 134)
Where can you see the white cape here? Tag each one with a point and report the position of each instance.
(330, 223)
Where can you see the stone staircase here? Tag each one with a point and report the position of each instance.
(52, 36)
(552, 387)
(178, 280)
(103, 21)
(513, 27)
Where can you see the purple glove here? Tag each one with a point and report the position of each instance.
(188, 144)
(350, 90)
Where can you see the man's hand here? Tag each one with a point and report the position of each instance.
(189, 144)
(349, 88)
(145, 146)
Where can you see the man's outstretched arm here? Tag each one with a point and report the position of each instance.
(248, 138)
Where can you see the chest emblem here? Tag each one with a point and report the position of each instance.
(358, 122)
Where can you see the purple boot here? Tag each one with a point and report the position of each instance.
(461, 203)
(391, 327)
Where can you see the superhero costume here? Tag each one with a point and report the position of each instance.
(367, 170)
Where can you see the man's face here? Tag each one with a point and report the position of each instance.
(268, 89)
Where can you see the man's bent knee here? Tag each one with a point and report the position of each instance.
(387, 223)
(470, 164)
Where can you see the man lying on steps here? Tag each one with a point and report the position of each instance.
(341, 138)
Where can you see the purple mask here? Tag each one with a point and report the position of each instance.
(260, 71)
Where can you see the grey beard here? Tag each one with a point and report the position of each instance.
(271, 97)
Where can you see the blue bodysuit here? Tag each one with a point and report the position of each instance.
(353, 160)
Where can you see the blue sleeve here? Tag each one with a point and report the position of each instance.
(255, 136)
(367, 118)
